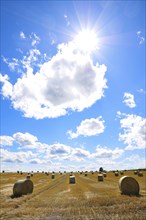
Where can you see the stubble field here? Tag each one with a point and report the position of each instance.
(56, 199)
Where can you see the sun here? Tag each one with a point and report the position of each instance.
(86, 41)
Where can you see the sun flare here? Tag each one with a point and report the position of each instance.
(86, 40)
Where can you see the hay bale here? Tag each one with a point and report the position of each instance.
(116, 173)
(53, 176)
(22, 187)
(100, 177)
(140, 173)
(28, 177)
(104, 174)
(72, 179)
(128, 186)
(85, 174)
(135, 172)
(121, 172)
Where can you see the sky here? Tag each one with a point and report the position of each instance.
(72, 84)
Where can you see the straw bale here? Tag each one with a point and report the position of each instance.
(116, 173)
(22, 187)
(72, 179)
(100, 177)
(53, 176)
(28, 177)
(140, 174)
(129, 186)
(104, 174)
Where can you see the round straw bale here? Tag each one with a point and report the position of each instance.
(104, 174)
(53, 176)
(28, 177)
(72, 179)
(121, 172)
(128, 185)
(85, 174)
(140, 173)
(135, 172)
(22, 187)
(100, 177)
(116, 173)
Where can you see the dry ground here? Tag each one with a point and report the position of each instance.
(56, 199)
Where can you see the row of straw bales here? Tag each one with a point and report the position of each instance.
(127, 185)
(138, 172)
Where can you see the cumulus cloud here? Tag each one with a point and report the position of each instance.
(6, 140)
(63, 152)
(22, 35)
(59, 149)
(15, 157)
(68, 81)
(104, 152)
(134, 131)
(25, 139)
(46, 154)
(129, 100)
(141, 39)
(88, 127)
(7, 88)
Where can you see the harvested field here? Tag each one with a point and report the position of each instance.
(55, 199)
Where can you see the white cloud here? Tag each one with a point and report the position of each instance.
(104, 152)
(15, 157)
(67, 20)
(63, 152)
(59, 149)
(132, 162)
(6, 140)
(25, 139)
(69, 81)
(141, 39)
(7, 88)
(35, 39)
(129, 100)
(142, 91)
(13, 64)
(89, 127)
(22, 35)
(134, 131)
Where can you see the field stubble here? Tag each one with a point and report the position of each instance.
(56, 199)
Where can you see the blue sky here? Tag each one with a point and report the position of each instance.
(72, 85)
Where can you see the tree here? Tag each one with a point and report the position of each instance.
(101, 169)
